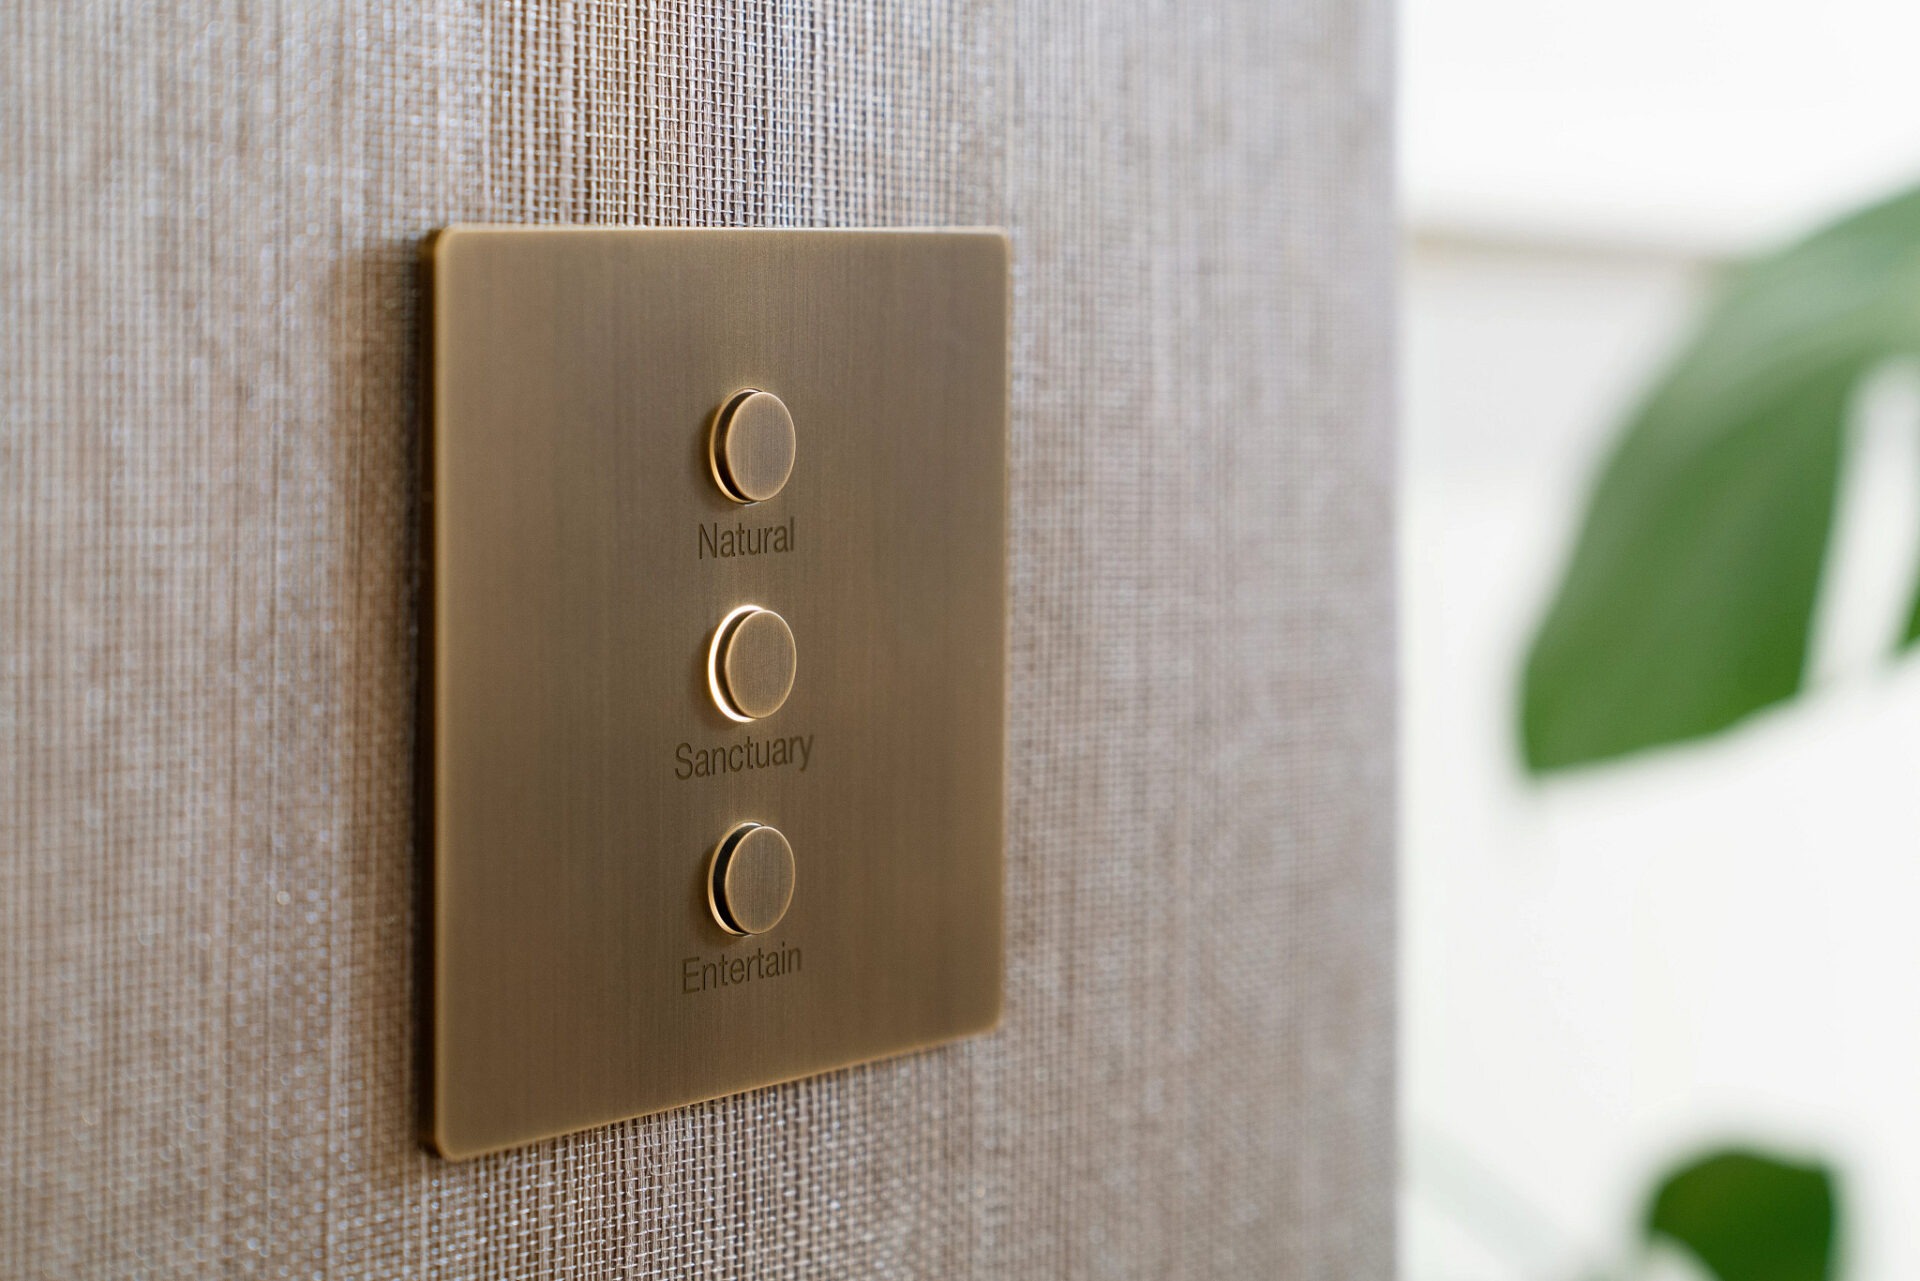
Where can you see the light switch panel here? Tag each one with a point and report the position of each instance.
(713, 663)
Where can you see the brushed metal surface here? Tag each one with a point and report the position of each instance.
(577, 769)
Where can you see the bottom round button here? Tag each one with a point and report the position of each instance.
(750, 880)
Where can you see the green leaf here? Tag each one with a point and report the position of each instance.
(1912, 633)
(1749, 1217)
(1687, 603)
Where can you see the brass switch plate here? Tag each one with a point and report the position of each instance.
(581, 552)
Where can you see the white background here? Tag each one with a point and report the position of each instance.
(1713, 943)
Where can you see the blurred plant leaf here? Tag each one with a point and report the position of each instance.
(1688, 600)
(1912, 634)
(1749, 1217)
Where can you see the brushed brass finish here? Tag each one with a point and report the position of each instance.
(579, 760)
(750, 883)
(751, 446)
(751, 663)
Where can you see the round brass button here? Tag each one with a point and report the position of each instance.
(751, 449)
(750, 880)
(751, 663)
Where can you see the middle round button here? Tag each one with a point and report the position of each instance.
(751, 663)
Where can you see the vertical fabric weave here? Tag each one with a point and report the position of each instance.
(208, 220)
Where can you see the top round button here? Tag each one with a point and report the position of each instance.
(751, 450)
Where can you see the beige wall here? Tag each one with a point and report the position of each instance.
(208, 215)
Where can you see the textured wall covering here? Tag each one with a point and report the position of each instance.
(208, 214)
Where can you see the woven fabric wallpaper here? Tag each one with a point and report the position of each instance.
(208, 219)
